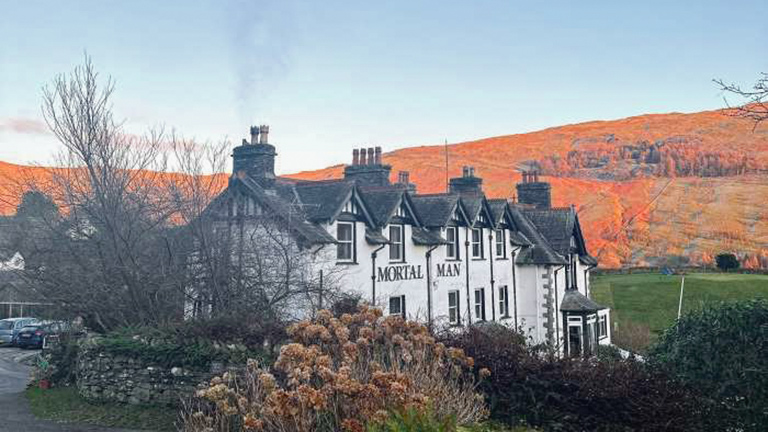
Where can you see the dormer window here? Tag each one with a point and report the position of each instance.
(396, 246)
(452, 248)
(345, 236)
(477, 243)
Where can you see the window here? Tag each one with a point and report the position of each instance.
(477, 242)
(345, 235)
(454, 314)
(501, 245)
(397, 305)
(452, 248)
(396, 243)
(602, 328)
(480, 304)
(503, 301)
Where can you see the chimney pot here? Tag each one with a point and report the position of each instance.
(254, 135)
(355, 157)
(362, 160)
(403, 177)
(263, 132)
(378, 155)
(371, 156)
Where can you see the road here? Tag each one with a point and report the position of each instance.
(15, 415)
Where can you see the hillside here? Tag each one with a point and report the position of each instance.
(658, 189)
(650, 190)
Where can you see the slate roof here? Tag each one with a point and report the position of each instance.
(322, 200)
(498, 207)
(556, 225)
(473, 204)
(574, 301)
(424, 237)
(435, 210)
(374, 237)
(543, 235)
(382, 203)
(540, 252)
(310, 232)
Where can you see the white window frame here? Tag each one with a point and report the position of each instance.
(602, 331)
(454, 311)
(504, 301)
(400, 301)
(480, 304)
(477, 244)
(453, 243)
(397, 247)
(341, 243)
(500, 237)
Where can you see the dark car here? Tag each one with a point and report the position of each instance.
(34, 336)
(10, 327)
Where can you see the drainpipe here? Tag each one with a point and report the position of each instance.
(493, 281)
(514, 283)
(373, 274)
(586, 283)
(429, 285)
(466, 257)
(557, 307)
(320, 295)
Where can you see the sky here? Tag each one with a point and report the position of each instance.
(329, 76)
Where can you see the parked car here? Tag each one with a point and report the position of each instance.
(10, 327)
(35, 336)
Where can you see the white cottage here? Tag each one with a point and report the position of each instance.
(455, 258)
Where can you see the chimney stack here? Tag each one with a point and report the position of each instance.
(367, 169)
(467, 184)
(404, 181)
(534, 192)
(256, 158)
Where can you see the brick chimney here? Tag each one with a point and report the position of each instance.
(367, 168)
(256, 158)
(467, 184)
(534, 192)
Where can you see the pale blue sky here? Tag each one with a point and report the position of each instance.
(331, 75)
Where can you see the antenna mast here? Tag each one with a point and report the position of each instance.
(446, 166)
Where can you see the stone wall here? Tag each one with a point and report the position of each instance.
(106, 377)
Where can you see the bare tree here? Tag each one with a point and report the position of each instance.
(131, 243)
(753, 103)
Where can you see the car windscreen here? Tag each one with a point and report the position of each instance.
(6, 325)
(30, 328)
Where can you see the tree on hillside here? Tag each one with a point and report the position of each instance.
(753, 102)
(727, 261)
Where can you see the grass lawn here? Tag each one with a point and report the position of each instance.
(65, 405)
(652, 299)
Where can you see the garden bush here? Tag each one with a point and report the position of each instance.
(721, 350)
(532, 385)
(339, 374)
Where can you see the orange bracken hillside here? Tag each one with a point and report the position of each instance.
(656, 189)
(650, 190)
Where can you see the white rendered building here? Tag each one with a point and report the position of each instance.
(454, 258)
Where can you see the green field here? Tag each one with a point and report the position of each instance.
(640, 300)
